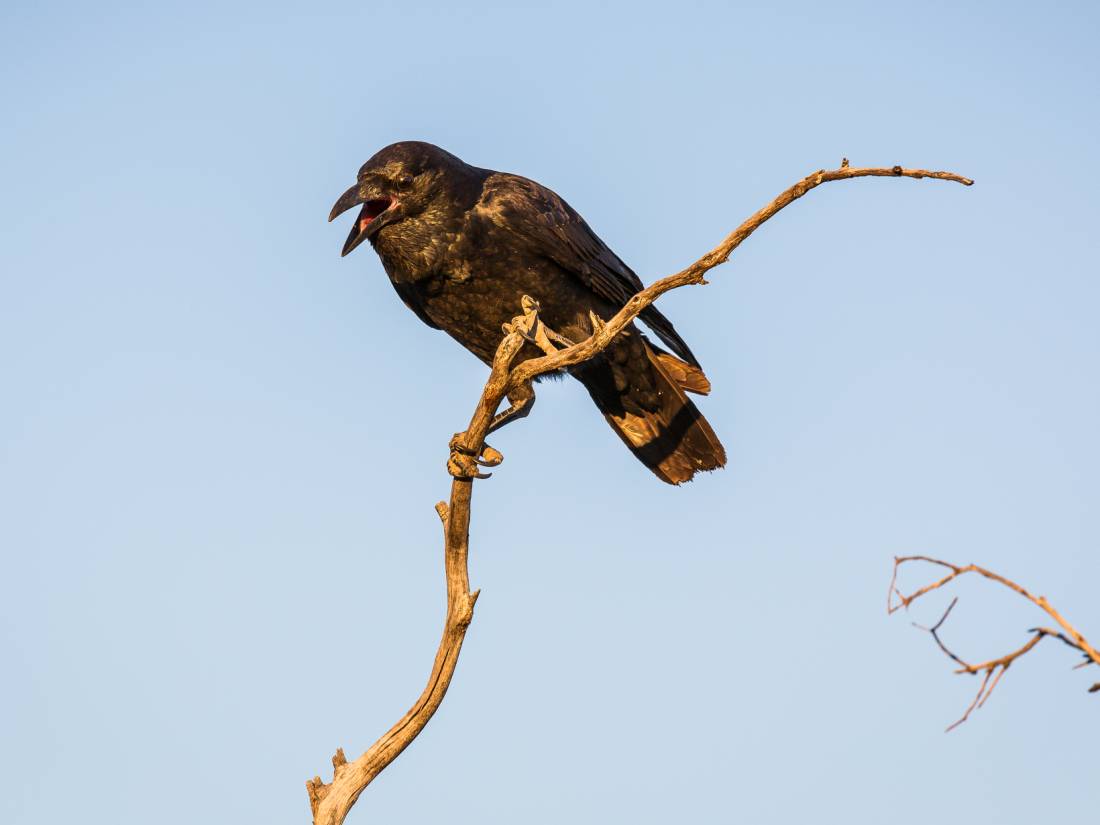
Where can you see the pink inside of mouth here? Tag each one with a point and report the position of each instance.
(371, 210)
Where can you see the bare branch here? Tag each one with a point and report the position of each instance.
(978, 700)
(331, 802)
(934, 630)
(994, 668)
(693, 274)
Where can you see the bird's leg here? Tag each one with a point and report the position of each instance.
(556, 338)
(522, 400)
(465, 460)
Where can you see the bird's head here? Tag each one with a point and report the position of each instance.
(398, 183)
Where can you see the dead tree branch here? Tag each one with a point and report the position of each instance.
(994, 669)
(331, 802)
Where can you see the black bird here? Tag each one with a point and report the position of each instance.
(463, 245)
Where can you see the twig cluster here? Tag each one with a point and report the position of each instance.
(994, 669)
(331, 801)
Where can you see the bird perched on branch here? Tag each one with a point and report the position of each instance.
(463, 245)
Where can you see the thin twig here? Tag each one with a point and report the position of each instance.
(995, 668)
(331, 802)
(977, 700)
(934, 630)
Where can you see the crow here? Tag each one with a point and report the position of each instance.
(463, 245)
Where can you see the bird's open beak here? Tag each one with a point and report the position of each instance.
(374, 203)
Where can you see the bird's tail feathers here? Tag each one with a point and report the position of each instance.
(675, 441)
(690, 378)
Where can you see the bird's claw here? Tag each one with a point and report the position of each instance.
(490, 457)
(464, 462)
(464, 466)
(534, 331)
(527, 324)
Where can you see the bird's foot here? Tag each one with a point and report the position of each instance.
(522, 399)
(533, 330)
(464, 462)
(528, 322)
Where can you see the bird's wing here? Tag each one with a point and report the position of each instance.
(557, 232)
(409, 297)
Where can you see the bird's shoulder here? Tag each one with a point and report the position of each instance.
(539, 220)
(527, 216)
(508, 200)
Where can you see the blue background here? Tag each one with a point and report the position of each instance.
(220, 443)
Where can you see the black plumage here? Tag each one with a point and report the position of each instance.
(463, 245)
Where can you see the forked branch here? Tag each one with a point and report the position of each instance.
(994, 669)
(331, 801)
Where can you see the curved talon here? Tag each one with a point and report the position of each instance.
(490, 457)
(464, 462)
(464, 466)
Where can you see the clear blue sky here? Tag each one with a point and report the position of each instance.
(220, 443)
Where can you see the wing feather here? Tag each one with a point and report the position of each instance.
(555, 230)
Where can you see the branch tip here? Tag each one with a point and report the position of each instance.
(596, 343)
(992, 671)
(317, 791)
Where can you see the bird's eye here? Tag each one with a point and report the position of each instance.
(405, 181)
